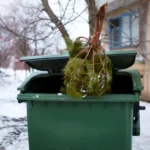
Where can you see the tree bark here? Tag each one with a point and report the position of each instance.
(58, 23)
(92, 11)
(98, 25)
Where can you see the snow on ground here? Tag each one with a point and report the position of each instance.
(13, 123)
(142, 142)
(8, 92)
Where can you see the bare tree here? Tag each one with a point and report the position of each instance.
(39, 25)
(58, 22)
(92, 11)
(42, 28)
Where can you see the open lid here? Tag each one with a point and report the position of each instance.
(55, 63)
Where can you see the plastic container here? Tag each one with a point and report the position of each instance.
(56, 122)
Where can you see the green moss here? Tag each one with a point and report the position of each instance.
(79, 77)
(75, 47)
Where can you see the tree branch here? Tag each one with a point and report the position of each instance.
(58, 23)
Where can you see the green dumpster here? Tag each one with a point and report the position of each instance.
(56, 122)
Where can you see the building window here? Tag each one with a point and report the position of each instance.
(124, 30)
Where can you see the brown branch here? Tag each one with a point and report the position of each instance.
(6, 27)
(92, 11)
(58, 23)
(98, 25)
(88, 53)
(81, 52)
(71, 20)
(93, 61)
(65, 9)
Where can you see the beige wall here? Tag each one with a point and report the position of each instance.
(146, 91)
(148, 31)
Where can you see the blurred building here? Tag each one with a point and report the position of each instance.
(127, 27)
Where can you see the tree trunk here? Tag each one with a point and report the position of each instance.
(92, 10)
(98, 25)
(58, 23)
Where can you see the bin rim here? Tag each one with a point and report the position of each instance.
(55, 63)
(64, 98)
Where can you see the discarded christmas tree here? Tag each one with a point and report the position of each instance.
(88, 71)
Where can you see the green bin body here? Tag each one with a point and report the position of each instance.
(56, 122)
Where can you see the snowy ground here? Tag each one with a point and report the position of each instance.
(13, 123)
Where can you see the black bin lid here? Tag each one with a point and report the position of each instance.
(55, 63)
